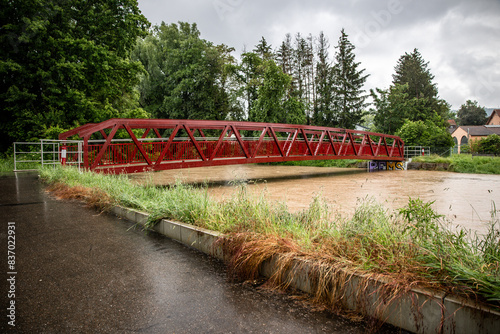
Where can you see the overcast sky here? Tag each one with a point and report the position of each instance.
(459, 38)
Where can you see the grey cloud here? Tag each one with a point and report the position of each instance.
(458, 38)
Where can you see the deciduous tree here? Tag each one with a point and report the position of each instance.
(65, 63)
(471, 113)
(272, 104)
(420, 133)
(186, 75)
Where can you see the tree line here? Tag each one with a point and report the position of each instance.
(188, 77)
(67, 63)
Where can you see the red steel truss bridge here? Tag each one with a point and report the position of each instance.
(137, 145)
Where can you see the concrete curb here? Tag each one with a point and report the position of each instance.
(418, 311)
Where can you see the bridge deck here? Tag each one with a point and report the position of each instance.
(135, 145)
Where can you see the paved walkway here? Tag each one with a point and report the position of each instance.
(84, 272)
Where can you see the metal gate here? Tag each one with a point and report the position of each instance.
(28, 156)
(415, 151)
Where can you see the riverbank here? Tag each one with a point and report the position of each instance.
(410, 246)
(459, 163)
(412, 165)
(441, 166)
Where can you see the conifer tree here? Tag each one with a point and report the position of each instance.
(298, 64)
(412, 103)
(348, 81)
(322, 114)
(284, 55)
(263, 49)
(303, 72)
(412, 82)
(411, 69)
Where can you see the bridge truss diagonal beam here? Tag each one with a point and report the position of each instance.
(136, 145)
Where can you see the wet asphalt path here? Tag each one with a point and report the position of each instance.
(83, 272)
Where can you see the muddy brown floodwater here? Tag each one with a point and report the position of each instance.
(468, 200)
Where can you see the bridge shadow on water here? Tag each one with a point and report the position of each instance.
(232, 181)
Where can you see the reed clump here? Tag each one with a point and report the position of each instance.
(404, 248)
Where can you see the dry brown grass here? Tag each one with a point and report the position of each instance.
(94, 198)
(327, 275)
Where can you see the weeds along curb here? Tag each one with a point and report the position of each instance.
(418, 311)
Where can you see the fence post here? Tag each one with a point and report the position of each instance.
(79, 153)
(63, 155)
(41, 151)
(15, 160)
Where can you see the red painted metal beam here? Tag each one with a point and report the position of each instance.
(277, 142)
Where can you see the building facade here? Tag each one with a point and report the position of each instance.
(467, 134)
(494, 118)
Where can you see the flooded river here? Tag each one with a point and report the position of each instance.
(466, 199)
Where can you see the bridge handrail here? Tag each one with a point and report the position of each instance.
(283, 142)
(91, 128)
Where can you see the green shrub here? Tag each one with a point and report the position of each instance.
(465, 149)
(489, 145)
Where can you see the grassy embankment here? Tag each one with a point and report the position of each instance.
(7, 164)
(460, 163)
(465, 163)
(411, 247)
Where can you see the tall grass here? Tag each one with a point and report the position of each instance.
(7, 164)
(465, 163)
(412, 245)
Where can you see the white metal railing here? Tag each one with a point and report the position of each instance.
(413, 151)
(46, 152)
